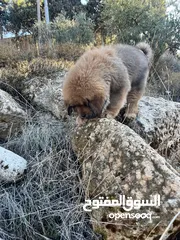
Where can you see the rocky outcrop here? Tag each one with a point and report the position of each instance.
(158, 123)
(12, 166)
(116, 161)
(11, 116)
(46, 93)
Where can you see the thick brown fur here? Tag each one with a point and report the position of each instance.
(104, 79)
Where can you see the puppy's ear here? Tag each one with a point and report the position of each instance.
(70, 109)
(96, 106)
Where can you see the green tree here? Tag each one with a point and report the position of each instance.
(94, 10)
(21, 17)
(131, 22)
(68, 7)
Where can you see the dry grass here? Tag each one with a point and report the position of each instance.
(46, 203)
(168, 88)
(10, 54)
(70, 52)
(43, 67)
(165, 78)
(13, 78)
(19, 64)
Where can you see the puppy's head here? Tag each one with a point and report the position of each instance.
(87, 100)
(85, 90)
(86, 108)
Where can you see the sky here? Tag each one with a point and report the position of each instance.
(84, 2)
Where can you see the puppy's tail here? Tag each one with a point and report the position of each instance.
(146, 50)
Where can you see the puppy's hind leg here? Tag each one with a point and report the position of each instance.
(117, 102)
(137, 91)
(132, 103)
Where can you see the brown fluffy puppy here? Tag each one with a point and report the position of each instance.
(104, 79)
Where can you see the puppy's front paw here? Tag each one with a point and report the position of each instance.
(131, 113)
(107, 115)
(80, 121)
(130, 116)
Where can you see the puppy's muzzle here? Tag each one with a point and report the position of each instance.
(70, 110)
(93, 114)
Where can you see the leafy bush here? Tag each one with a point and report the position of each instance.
(62, 30)
(83, 29)
(79, 30)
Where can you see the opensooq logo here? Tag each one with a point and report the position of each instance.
(127, 204)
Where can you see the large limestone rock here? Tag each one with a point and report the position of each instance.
(46, 93)
(11, 116)
(116, 160)
(12, 166)
(158, 123)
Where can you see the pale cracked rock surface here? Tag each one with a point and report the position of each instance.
(11, 115)
(158, 123)
(115, 160)
(12, 166)
(46, 93)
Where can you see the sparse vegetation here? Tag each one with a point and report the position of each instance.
(47, 202)
(165, 78)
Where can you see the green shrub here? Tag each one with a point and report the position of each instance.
(62, 30)
(79, 30)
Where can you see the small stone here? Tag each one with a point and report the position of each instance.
(12, 166)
